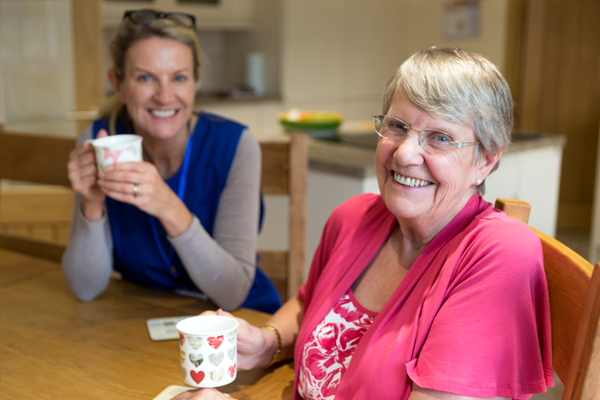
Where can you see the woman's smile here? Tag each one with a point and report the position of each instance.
(163, 114)
(408, 181)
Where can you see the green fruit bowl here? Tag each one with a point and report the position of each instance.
(310, 120)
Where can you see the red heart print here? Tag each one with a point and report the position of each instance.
(197, 376)
(181, 339)
(215, 341)
(231, 370)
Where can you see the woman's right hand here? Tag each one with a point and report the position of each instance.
(252, 343)
(83, 174)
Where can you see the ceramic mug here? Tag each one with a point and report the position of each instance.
(208, 350)
(116, 149)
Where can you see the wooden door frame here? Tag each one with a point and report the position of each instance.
(541, 73)
(88, 56)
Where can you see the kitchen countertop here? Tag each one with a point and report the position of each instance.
(203, 100)
(356, 160)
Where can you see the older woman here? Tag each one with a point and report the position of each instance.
(425, 291)
(186, 218)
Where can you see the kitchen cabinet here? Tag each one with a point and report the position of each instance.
(221, 15)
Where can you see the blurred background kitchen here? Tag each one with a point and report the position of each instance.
(262, 57)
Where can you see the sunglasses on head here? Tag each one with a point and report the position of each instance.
(147, 17)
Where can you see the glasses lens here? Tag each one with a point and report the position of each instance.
(391, 127)
(437, 142)
(182, 19)
(143, 17)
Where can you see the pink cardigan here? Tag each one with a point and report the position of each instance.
(471, 317)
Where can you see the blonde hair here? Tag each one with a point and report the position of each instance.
(458, 86)
(129, 33)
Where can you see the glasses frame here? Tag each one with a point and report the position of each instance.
(160, 15)
(378, 119)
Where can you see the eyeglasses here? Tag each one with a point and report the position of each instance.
(147, 17)
(431, 140)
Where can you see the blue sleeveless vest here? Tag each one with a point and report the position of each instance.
(137, 235)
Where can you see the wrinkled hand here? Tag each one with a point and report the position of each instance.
(201, 394)
(83, 174)
(250, 342)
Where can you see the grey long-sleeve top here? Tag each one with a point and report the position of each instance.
(222, 266)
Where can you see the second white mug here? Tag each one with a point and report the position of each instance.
(208, 350)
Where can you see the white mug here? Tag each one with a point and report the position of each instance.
(208, 350)
(116, 149)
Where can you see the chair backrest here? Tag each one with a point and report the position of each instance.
(285, 172)
(36, 159)
(574, 289)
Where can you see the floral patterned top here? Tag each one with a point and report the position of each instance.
(329, 349)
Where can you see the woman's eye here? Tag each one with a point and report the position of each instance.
(439, 137)
(180, 78)
(399, 129)
(144, 78)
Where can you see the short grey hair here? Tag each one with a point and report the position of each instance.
(458, 86)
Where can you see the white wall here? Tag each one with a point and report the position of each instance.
(36, 61)
(338, 55)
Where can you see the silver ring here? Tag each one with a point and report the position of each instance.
(136, 190)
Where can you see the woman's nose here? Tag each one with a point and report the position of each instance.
(163, 93)
(409, 151)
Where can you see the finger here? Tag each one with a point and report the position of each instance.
(84, 159)
(81, 149)
(140, 166)
(226, 314)
(123, 197)
(199, 394)
(87, 171)
(84, 184)
(102, 133)
(210, 313)
(188, 394)
(120, 187)
(124, 177)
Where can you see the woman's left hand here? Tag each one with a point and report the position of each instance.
(201, 394)
(122, 181)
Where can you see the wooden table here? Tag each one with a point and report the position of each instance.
(53, 346)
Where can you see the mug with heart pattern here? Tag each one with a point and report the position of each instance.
(208, 345)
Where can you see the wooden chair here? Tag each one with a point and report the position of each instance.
(36, 159)
(574, 288)
(285, 172)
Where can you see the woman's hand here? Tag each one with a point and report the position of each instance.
(155, 197)
(83, 175)
(252, 348)
(201, 394)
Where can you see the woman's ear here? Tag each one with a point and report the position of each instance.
(116, 84)
(486, 165)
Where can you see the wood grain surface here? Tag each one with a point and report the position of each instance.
(53, 346)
